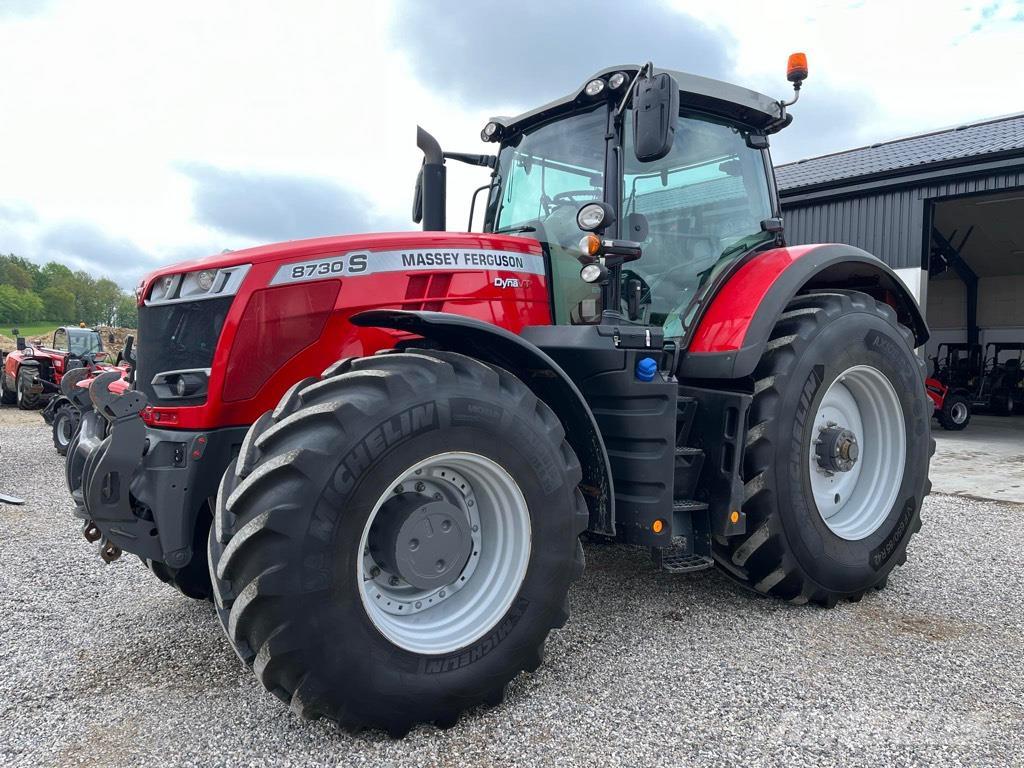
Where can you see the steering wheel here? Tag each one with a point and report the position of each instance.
(570, 197)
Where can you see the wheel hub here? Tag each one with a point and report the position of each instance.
(836, 449)
(424, 542)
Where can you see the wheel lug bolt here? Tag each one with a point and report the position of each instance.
(419, 604)
(442, 593)
(393, 581)
(414, 544)
(374, 572)
(476, 528)
(420, 487)
(399, 489)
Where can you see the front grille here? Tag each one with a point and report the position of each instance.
(175, 337)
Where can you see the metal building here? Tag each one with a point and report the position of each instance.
(946, 209)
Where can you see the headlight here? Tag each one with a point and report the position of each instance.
(200, 284)
(594, 87)
(590, 217)
(593, 273)
(616, 80)
(491, 132)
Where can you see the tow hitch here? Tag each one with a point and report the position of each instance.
(101, 462)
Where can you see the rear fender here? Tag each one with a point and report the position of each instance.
(733, 332)
(493, 344)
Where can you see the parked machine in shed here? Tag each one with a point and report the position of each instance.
(385, 447)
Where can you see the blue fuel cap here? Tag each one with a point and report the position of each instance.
(646, 367)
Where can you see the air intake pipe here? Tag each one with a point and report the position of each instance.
(430, 192)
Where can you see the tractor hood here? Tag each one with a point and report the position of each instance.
(444, 250)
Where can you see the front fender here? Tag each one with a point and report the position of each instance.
(732, 333)
(539, 372)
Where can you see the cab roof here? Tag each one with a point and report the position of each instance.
(703, 94)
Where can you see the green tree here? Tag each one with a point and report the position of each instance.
(127, 312)
(58, 303)
(17, 272)
(108, 294)
(18, 306)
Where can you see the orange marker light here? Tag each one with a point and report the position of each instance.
(796, 67)
(734, 517)
(590, 245)
(658, 526)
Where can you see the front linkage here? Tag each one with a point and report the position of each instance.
(101, 460)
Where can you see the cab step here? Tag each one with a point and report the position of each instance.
(679, 560)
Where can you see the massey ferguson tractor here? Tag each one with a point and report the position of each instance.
(376, 453)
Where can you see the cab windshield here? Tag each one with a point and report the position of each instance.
(83, 342)
(701, 206)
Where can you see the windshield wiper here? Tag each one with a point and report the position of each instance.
(510, 230)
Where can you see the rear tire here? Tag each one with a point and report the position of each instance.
(7, 397)
(955, 414)
(66, 421)
(27, 401)
(831, 355)
(1005, 403)
(296, 589)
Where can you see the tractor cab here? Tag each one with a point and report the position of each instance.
(698, 202)
(677, 163)
(78, 342)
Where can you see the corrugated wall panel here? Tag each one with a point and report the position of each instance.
(888, 223)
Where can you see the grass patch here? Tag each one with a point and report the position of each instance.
(35, 329)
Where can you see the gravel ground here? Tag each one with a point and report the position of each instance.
(104, 665)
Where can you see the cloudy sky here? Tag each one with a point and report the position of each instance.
(137, 133)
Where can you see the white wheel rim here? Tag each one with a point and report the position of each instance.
(64, 430)
(855, 503)
(448, 618)
(958, 413)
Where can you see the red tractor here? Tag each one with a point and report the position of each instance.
(952, 406)
(32, 376)
(377, 453)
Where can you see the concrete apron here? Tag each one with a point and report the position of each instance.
(984, 461)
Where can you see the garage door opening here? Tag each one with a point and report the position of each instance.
(975, 296)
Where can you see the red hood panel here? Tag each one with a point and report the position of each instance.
(296, 250)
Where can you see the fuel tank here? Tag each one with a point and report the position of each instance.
(276, 314)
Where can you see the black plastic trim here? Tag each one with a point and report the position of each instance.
(538, 370)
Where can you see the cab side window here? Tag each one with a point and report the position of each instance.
(60, 340)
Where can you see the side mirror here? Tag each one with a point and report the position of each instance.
(417, 198)
(655, 112)
(20, 343)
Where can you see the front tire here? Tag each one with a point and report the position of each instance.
(193, 579)
(838, 385)
(65, 425)
(27, 401)
(309, 532)
(956, 412)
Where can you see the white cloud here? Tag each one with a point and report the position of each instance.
(104, 103)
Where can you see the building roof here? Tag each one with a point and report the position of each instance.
(949, 146)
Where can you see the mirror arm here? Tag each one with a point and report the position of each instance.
(648, 67)
(487, 161)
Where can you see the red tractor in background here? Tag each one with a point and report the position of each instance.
(31, 376)
(377, 453)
